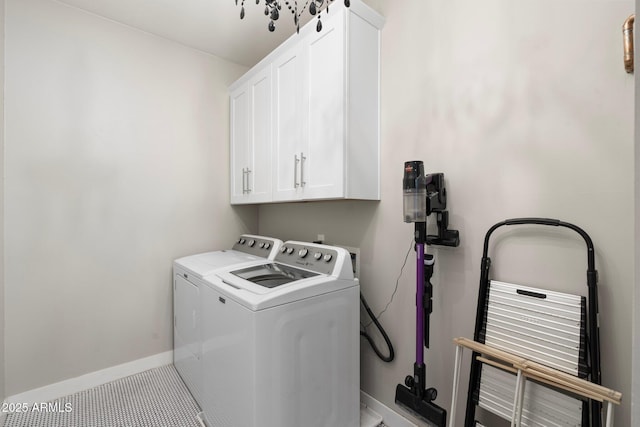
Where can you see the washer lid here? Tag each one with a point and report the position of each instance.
(201, 265)
(303, 270)
(257, 297)
(272, 275)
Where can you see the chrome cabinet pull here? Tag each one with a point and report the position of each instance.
(295, 171)
(244, 187)
(302, 159)
(248, 181)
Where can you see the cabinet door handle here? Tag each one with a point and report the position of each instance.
(627, 33)
(302, 159)
(244, 187)
(248, 181)
(295, 171)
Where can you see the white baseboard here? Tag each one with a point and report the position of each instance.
(92, 379)
(390, 417)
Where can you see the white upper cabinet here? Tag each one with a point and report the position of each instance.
(250, 132)
(239, 135)
(288, 127)
(324, 110)
(322, 165)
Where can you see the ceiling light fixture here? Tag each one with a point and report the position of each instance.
(272, 9)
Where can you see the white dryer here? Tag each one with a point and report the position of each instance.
(281, 341)
(188, 273)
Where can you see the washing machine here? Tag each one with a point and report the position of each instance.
(281, 341)
(188, 273)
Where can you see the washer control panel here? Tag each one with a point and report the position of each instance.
(319, 258)
(257, 245)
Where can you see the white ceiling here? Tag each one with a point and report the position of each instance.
(212, 26)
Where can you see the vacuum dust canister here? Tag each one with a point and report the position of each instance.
(414, 192)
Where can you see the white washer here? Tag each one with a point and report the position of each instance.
(188, 273)
(281, 341)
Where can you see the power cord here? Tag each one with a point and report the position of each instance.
(382, 331)
(374, 318)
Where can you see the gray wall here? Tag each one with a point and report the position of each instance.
(526, 108)
(116, 163)
(2, 388)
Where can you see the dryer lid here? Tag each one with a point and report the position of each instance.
(201, 265)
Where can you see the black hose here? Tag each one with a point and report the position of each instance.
(382, 331)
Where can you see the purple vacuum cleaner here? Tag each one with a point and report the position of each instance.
(424, 195)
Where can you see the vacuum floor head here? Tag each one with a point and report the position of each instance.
(423, 409)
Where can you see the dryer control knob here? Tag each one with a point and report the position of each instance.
(328, 257)
(242, 241)
(283, 249)
(289, 251)
(267, 245)
(261, 245)
(303, 252)
(317, 255)
(252, 242)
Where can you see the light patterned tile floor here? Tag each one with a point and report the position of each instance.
(154, 398)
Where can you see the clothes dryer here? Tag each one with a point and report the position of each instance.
(281, 341)
(188, 273)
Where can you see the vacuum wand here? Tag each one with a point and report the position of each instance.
(423, 195)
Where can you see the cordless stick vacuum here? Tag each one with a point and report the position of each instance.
(424, 195)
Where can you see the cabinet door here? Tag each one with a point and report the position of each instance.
(258, 172)
(287, 80)
(323, 168)
(239, 142)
